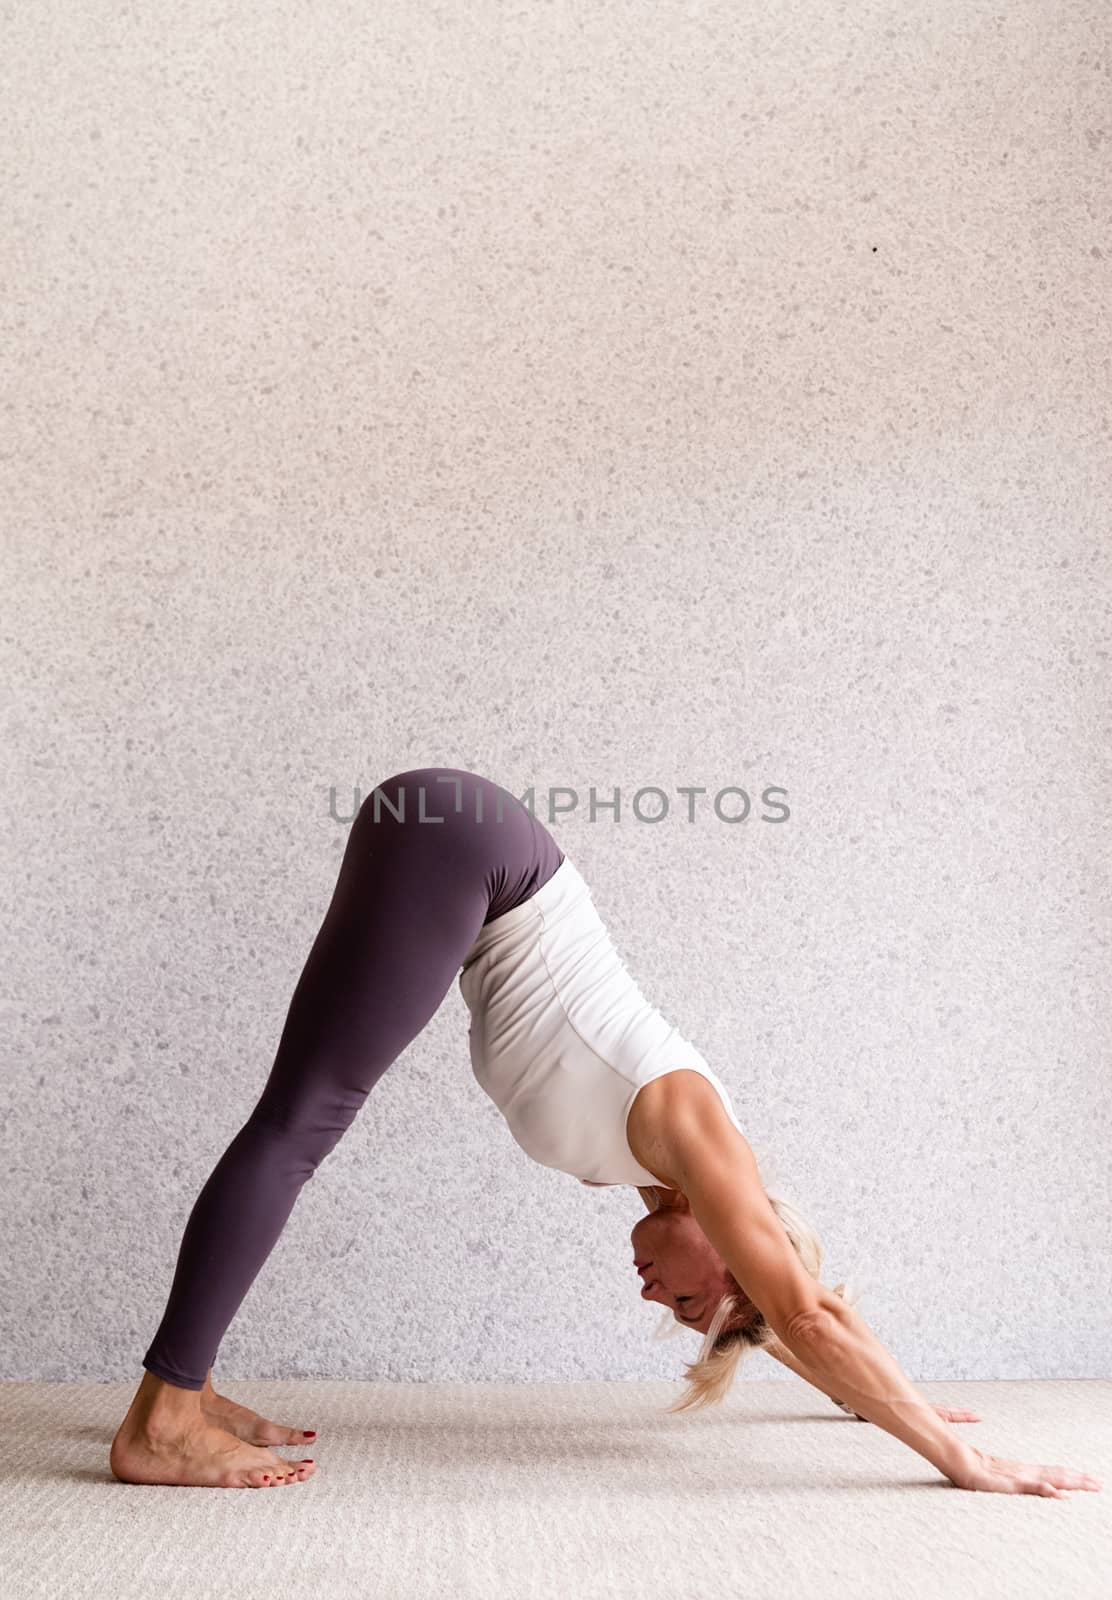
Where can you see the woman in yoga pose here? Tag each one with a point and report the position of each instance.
(446, 874)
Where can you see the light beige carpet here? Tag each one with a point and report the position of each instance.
(578, 1490)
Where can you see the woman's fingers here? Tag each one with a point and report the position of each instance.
(1062, 1477)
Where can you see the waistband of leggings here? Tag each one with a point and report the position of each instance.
(564, 891)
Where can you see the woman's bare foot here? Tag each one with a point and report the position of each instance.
(166, 1438)
(247, 1424)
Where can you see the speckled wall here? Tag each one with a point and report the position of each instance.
(694, 396)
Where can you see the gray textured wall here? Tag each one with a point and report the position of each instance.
(704, 394)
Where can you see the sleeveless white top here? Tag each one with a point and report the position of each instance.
(561, 1037)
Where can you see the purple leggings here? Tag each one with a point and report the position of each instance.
(447, 852)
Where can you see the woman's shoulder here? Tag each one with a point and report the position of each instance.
(655, 1110)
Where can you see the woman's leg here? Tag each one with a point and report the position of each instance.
(408, 905)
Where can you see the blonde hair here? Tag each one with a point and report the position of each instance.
(709, 1376)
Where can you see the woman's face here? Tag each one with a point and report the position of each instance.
(681, 1269)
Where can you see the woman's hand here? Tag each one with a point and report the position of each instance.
(994, 1475)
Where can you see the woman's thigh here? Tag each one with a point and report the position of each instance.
(408, 904)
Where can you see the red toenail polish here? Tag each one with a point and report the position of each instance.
(266, 1477)
(308, 1433)
(306, 1460)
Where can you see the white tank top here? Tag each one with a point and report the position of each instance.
(561, 1037)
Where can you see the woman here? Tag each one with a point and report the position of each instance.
(446, 873)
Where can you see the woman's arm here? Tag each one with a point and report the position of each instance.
(782, 1354)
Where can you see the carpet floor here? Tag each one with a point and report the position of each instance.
(576, 1490)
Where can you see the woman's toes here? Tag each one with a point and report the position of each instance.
(283, 1471)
